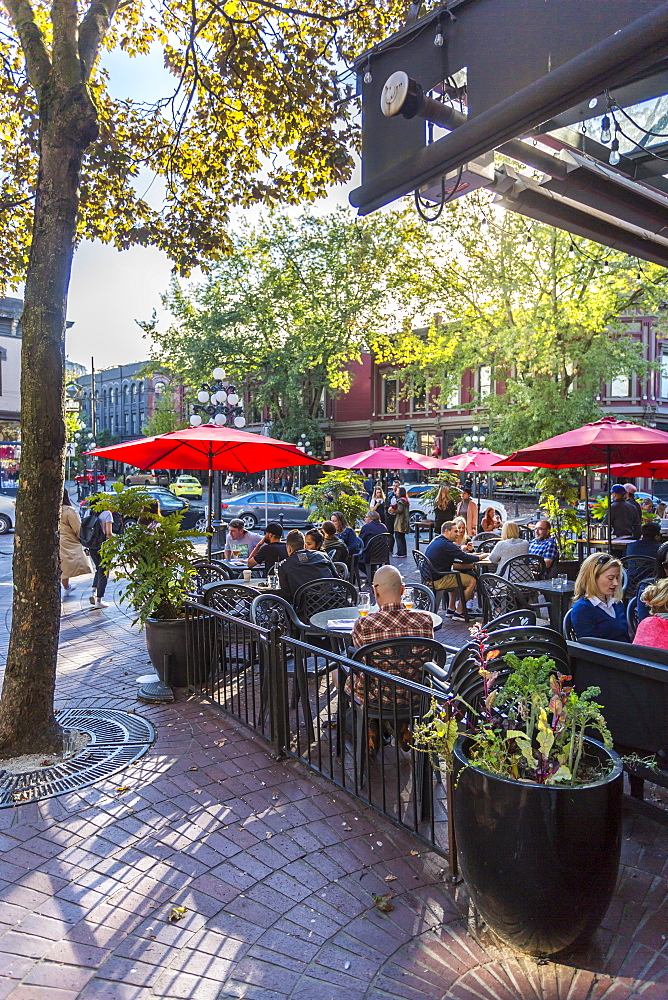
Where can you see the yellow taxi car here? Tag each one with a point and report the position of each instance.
(186, 486)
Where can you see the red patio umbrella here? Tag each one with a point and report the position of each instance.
(209, 447)
(386, 457)
(479, 460)
(639, 470)
(603, 441)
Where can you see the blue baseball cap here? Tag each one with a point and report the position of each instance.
(618, 488)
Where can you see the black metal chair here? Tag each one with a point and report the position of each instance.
(525, 569)
(428, 576)
(530, 640)
(231, 597)
(486, 545)
(483, 536)
(499, 597)
(338, 552)
(423, 597)
(207, 572)
(323, 595)
(342, 569)
(373, 700)
(377, 553)
(638, 569)
(236, 647)
(512, 619)
(569, 631)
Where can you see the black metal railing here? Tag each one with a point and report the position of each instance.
(347, 721)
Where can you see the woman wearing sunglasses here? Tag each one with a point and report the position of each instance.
(598, 611)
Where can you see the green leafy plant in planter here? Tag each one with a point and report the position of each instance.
(154, 559)
(341, 490)
(537, 803)
(558, 496)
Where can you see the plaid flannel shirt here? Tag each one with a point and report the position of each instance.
(546, 547)
(391, 621)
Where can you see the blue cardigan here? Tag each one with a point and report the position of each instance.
(351, 539)
(588, 620)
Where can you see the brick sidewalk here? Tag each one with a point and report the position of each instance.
(276, 869)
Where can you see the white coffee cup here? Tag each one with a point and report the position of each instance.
(248, 573)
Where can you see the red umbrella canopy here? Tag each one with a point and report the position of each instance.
(606, 440)
(386, 458)
(478, 460)
(208, 447)
(639, 470)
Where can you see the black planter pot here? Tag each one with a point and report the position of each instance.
(168, 638)
(540, 861)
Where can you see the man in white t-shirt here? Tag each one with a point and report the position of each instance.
(240, 543)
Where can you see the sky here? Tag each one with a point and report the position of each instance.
(110, 289)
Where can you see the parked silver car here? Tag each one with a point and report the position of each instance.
(249, 508)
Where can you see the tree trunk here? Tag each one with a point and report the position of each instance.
(68, 125)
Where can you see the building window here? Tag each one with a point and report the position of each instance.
(664, 376)
(419, 399)
(452, 400)
(427, 443)
(620, 388)
(484, 381)
(391, 440)
(390, 395)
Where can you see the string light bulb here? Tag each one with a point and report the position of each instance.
(367, 76)
(614, 157)
(438, 39)
(606, 135)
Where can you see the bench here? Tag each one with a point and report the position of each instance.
(634, 694)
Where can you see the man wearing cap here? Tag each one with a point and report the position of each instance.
(624, 516)
(270, 550)
(631, 496)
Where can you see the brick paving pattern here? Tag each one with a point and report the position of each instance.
(276, 869)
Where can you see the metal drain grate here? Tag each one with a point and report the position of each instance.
(117, 739)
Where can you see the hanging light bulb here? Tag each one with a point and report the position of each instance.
(195, 420)
(367, 76)
(614, 157)
(571, 252)
(638, 282)
(203, 396)
(239, 422)
(529, 241)
(220, 419)
(218, 374)
(484, 224)
(606, 267)
(438, 39)
(605, 129)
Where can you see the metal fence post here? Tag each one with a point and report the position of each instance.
(278, 702)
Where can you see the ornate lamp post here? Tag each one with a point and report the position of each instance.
(219, 401)
(305, 445)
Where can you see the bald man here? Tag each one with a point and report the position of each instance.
(392, 620)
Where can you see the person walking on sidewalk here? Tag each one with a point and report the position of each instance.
(73, 560)
(401, 522)
(105, 520)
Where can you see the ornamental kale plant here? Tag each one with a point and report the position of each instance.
(530, 727)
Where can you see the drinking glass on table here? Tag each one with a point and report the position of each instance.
(364, 605)
(561, 581)
(408, 597)
(272, 581)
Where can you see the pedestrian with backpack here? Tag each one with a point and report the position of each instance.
(73, 560)
(95, 530)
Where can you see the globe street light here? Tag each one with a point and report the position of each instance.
(220, 402)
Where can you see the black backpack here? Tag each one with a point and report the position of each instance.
(91, 533)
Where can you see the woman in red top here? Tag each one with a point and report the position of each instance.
(653, 631)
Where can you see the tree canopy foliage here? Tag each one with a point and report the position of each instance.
(257, 114)
(540, 309)
(291, 307)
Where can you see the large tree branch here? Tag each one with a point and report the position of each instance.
(66, 68)
(94, 27)
(38, 63)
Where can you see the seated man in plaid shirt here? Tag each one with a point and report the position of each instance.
(391, 621)
(544, 545)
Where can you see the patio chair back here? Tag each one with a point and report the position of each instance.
(524, 569)
(428, 575)
(512, 618)
(423, 597)
(342, 569)
(403, 657)
(323, 595)
(269, 608)
(231, 597)
(207, 572)
(377, 553)
(499, 596)
(567, 628)
(638, 570)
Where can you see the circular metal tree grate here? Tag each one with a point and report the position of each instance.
(116, 739)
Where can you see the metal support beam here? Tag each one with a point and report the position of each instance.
(638, 45)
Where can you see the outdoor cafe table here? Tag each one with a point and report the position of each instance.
(559, 597)
(602, 543)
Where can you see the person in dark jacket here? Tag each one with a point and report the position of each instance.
(345, 532)
(649, 542)
(631, 496)
(442, 553)
(444, 508)
(302, 566)
(624, 516)
(270, 550)
(372, 526)
(599, 611)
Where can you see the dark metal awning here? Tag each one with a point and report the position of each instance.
(513, 76)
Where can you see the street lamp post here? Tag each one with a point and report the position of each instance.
(219, 401)
(305, 445)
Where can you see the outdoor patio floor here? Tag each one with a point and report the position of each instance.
(276, 868)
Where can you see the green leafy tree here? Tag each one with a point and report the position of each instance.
(290, 309)
(540, 310)
(164, 418)
(256, 115)
(340, 490)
